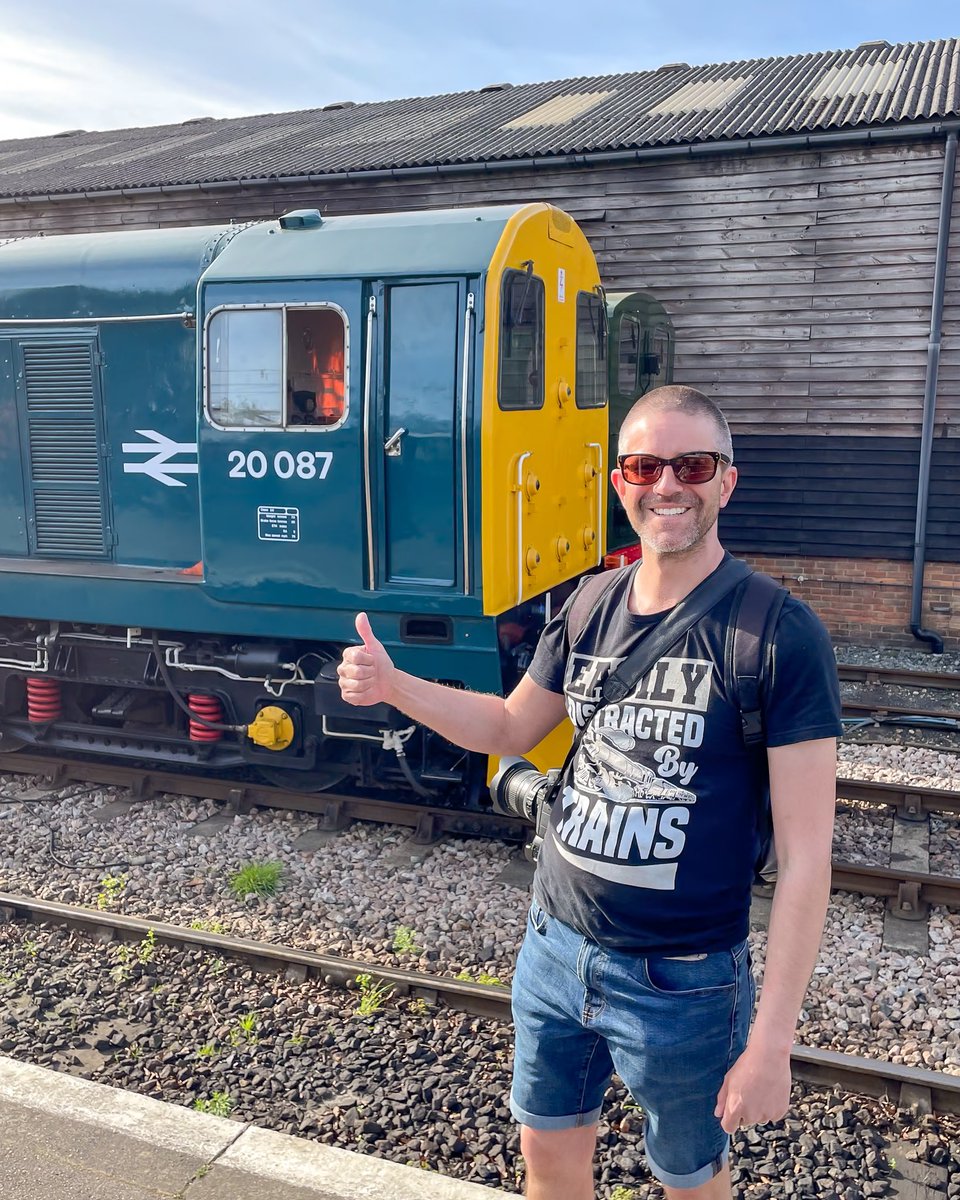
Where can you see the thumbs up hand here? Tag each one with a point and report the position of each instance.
(366, 672)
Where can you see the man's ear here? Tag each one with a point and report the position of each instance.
(727, 483)
(620, 485)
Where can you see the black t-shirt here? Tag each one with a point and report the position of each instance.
(654, 834)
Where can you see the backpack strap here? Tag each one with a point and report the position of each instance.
(586, 599)
(756, 617)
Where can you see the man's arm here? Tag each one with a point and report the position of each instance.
(486, 724)
(803, 791)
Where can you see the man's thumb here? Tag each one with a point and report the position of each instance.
(366, 633)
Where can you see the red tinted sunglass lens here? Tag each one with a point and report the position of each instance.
(641, 468)
(696, 468)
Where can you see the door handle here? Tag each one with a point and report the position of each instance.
(391, 447)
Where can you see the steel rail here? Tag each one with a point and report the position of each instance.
(335, 810)
(877, 706)
(869, 880)
(428, 824)
(910, 801)
(896, 677)
(901, 1084)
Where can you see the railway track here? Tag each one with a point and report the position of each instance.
(901, 1084)
(336, 812)
(879, 707)
(879, 696)
(897, 677)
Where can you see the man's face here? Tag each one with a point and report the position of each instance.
(671, 517)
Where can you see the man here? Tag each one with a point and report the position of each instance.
(635, 956)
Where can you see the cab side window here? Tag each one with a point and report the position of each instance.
(273, 368)
(315, 377)
(629, 355)
(591, 390)
(521, 340)
(245, 369)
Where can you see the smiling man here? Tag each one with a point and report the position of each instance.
(635, 957)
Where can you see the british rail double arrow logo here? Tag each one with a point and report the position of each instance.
(160, 467)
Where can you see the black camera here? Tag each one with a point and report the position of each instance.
(519, 790)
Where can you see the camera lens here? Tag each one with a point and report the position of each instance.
(518, 788)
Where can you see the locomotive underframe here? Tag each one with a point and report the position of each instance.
(110, 698)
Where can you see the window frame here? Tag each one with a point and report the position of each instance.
(541, 342)
(635, 390)
(283, 307)
(596, 298)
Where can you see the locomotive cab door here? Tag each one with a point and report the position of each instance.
(281, 443)
(416, 434)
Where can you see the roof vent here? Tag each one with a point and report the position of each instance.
(495, 87)
(68, 133)
(196, 120)
(667, 68)
(301, 218)
(879, 44)
(335, 104)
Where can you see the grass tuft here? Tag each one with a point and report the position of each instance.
(219, 1105)
(262, 879)
(373, 995)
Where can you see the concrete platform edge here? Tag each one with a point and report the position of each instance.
(281, 1158)
(166, 1125)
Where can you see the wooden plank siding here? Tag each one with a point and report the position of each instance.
(800, 284)
(850, 497)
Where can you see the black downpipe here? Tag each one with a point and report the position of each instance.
(930, 397)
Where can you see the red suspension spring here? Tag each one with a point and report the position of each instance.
(210, 708)
(43, 699)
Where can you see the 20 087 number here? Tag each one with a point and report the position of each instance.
(307, 464)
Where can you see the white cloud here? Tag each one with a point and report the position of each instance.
(46, 86)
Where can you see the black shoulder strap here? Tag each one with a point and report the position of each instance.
(586, 598)
(755, 620)
(759, 608)
(675, 624)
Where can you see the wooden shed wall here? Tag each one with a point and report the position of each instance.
(800, 285)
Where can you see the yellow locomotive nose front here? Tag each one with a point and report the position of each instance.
(271, 728)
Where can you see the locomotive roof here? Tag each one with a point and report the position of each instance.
(157, 270)
(380, 244)
(82, 274)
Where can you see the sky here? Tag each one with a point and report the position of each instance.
(109, 64)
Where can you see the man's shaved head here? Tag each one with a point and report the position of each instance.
(676, 398)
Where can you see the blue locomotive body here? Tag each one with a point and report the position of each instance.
(222, 442)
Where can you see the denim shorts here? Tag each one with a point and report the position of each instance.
(671, 1028)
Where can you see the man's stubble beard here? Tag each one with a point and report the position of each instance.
(705, 520)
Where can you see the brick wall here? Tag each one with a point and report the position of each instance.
(867, 600)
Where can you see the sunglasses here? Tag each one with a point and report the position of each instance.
(699, 466)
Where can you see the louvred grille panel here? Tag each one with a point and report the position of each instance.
(64, 449)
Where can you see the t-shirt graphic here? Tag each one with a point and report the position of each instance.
(618, 819)
(653, 835)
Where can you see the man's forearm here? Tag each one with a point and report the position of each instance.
(469, 719)
(793, 942)
(482, 723)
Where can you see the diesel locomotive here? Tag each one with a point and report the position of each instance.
(221, 442)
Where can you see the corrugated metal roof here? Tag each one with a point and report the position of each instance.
(867, 87)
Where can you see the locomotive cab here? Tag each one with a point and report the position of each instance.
(225, 442)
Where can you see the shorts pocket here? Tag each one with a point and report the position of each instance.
(538, 918)
(712, 974)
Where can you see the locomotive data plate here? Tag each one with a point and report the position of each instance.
(276, 523)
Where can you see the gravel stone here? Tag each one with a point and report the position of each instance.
(414, 1084)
